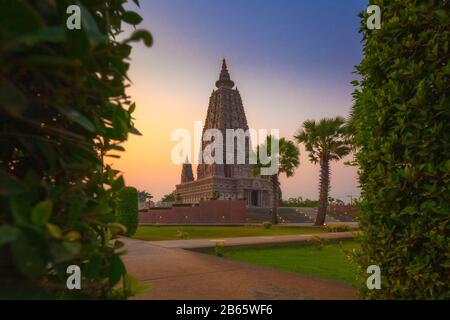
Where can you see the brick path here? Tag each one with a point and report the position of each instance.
(177, 274)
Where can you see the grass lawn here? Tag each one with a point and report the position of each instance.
(330, 262)
(154, 233)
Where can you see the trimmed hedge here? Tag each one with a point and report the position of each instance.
(63, 111)
(401, 121)
(128, 209)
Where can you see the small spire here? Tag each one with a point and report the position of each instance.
(224, 78)
(224, 65)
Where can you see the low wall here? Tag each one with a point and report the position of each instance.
(207, 212)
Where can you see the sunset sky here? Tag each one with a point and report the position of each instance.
(292, 60)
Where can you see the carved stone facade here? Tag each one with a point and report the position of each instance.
(228, 180)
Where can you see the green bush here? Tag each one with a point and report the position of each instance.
(317, 242)
(267, 224)
(215, 195)
(182, 234)
(401, 124)
(63, 111)
(219, 248)
(128, 209)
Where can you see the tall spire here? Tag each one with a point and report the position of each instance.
(224, 78)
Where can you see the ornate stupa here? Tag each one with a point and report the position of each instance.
(230, 180)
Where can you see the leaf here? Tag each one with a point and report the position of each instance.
(132, 286)
(89, 25)
(72, 236)
(135, 131)
(42, 212)
(131, 17)
(116, 147)
(441, 14)
(143, 35)
(8, 234)
(117, 227)
(78, 118)
(54, 230)
(116, 271)
(132, 108)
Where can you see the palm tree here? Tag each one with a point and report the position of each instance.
(288, 160)
(144, 196)
(325, 141)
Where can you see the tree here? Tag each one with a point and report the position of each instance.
(286, 161)
(325, 141)
(401, 128)
(128, 209)
(169, 197)
(144, 196)
(63, 111)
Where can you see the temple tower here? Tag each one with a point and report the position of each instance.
(230, 180)
(225, 111)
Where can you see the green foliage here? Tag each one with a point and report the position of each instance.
(325, 140)
(317, 242)
(182, 234)
(215, 195)
(401, 126)
(337, 228)
(285, 161)
(128, 209)
(144, 196)
(299, 202)
(219, 248)
(171, 197)
(63, 109)
(267, 224)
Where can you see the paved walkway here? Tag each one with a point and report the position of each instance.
(242, 241)
(177, 274)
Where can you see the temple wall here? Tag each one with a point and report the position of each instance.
(207, 212)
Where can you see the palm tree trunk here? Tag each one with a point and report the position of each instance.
(275, 184)
(323, 190)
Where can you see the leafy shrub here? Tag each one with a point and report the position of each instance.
(127, 209)
(219, 248)
(63, 110)
(401, 125)
(267, 224)
(182, 234)
(337, 228)
(299, 202)
(317, 242)
(215, 195)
